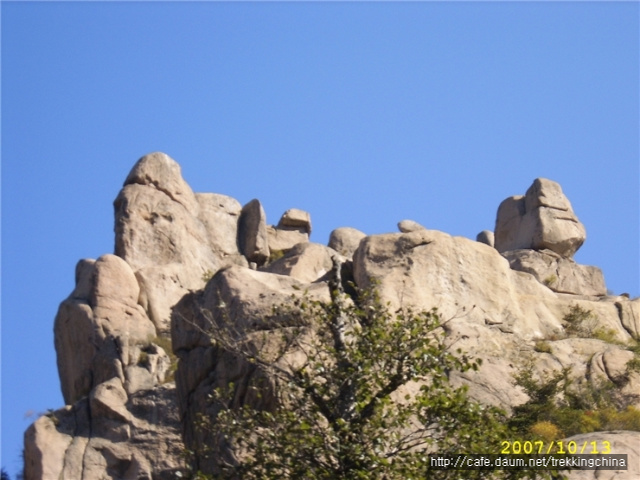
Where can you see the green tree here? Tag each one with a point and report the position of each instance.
(368, 397)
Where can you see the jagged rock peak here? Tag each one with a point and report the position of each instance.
(164, 173)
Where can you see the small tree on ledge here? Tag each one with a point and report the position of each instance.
(363, 393)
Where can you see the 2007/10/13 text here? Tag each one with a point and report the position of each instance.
(528, 447)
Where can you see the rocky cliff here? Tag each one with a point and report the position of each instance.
(136, 366)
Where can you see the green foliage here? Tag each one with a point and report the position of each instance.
(580, 322)
(275, 255)
(542, 347)
(555, 401)
(634, 364)
(344, 410)
(550, 280)
(208, 275)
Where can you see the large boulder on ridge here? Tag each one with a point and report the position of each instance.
(541, 219)
(252, 233)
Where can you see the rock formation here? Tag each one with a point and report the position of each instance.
(539, 234)
(136, 364)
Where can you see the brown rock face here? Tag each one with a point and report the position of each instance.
(541, 219)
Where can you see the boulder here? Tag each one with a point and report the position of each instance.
(153, 229)
(541, 219)
(282, 240)
(406, 226)
(560, 274)
(489, 309)
(45, 447)
(345, 240)
(306, 262)
(252, 233)
(487, 237)
(296, 219)
(629, 314)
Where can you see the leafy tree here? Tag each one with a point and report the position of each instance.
(363, 394)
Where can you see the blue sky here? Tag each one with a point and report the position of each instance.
(363, 114)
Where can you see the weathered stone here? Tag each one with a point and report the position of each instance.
(153, 229)
(94, 334)
(487, 237)
(306, 262)
(560, 274)
(171, 237)
(629, 314)
(281, 240)
(406, 226)
(245, 299)
(151, 368)
(611, 365)
(460, 277)
(542, 219)
(106, 438)
(345, 240)
(161, 172)
(220, 215)
(108, 400)
(45, 448)
(296, 219)
(252, 233)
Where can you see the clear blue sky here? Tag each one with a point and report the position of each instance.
(363, 114)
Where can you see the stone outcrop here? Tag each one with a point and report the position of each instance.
(541, 219)
(560, 274)
(137, 364)
(345, 240)
(539, 233)
(171, 236)
(406, 226)
(99, 329)
(252, 233)
(296, 219)
(108, 435)
(487, 237)
(306, 262)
